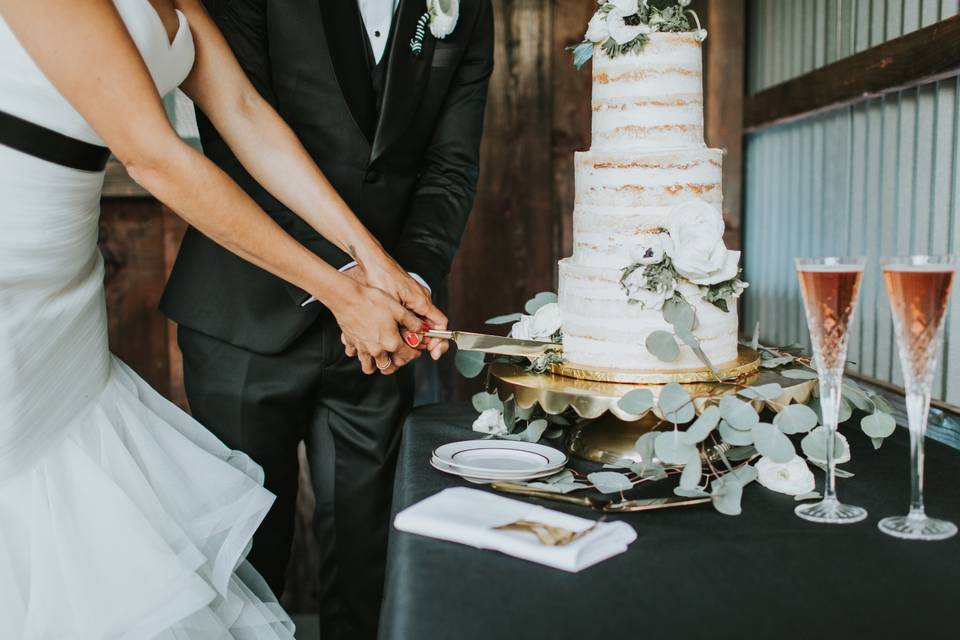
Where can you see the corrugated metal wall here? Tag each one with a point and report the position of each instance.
(878, 178)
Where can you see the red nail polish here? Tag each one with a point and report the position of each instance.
(413, 339)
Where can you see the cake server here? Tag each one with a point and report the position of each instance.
(494, 344)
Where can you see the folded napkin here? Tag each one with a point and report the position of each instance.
(470, 517)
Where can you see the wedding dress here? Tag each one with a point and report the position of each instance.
(120, 516)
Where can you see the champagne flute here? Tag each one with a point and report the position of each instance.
(830, 287)
(919, 292)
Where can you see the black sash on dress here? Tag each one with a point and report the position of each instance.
(50, 145)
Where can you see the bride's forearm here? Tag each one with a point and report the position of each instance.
(210, 201)
(276, 159)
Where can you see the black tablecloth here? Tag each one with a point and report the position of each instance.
(691, 573)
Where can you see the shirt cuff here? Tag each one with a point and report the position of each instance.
(352, 264)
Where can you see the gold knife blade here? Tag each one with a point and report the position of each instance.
(499, 345)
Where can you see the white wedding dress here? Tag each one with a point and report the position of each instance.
(120, 516)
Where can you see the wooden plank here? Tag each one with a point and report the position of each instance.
(509, 250)
(571, 112)
(923, 56)
(724, 86)
(118, 184)
(132, 243)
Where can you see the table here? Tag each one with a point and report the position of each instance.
(692, 573)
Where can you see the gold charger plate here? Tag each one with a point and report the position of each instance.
(747, 362)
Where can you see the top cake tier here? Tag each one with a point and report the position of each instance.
(650, 99)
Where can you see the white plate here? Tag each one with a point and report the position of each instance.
(500, 456)
(487, 477)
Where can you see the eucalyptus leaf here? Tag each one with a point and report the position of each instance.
(813, 495)
(622, 463)
(692, 472)
(856, 396)
(881, 403)
(483, 401)
(469, 363)
(676, 405)
(739, 454)
(637, 402)
(523, 414)
(690, 493)
(770, 391)
(679, 313)
(738, 414)
(662, 346)
(878, 425)
(672, 449)
(877, 442)
(534, 430)
(772, 443)
(510, 318)
(609, 481)
(652, 471)
(735, 437)
(564, 476)
(814, 445)
(846, 410)
(727, 494)
(510, 415)
(779, 361)
(837, 471)
(539, 300)
(645, 447)
(582, 54)
(799, 374)
(795, 418)
(703, 426)
(744, 474)
(755, 342)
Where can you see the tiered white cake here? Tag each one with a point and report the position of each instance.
(648, 163)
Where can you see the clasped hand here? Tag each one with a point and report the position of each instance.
(396, 310)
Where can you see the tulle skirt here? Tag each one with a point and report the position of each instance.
(135, 525)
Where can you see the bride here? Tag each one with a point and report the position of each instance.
(120, 516)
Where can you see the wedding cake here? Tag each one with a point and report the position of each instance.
(650, 284)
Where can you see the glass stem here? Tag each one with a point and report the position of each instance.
(830, 393)
(918, 410)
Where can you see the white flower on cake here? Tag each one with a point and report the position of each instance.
(597, 30)
(490, 421)
(689, 291)
(542, 325)
(443, 17)
(638, 289)
(652, 247)
(623, 23)
(793, 478)
(699, 254)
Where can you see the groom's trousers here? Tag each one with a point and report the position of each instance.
(264, 405)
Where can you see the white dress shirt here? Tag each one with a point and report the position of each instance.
(377, 17)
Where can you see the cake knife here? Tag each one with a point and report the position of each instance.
(499, 345)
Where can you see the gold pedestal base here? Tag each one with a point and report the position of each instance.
(603, 432)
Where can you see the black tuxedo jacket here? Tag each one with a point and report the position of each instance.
(409, 173)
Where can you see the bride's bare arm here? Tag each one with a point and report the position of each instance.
(85, 50)
(274, 156)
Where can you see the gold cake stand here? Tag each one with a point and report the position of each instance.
(603, 432)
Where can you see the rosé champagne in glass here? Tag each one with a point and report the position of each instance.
(919, 292)
(830, 287)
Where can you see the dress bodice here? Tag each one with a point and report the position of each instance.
(25, 92)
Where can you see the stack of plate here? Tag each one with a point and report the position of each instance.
(491, 460)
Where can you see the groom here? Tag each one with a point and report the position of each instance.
(394, 121)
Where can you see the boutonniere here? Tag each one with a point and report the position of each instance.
(441, 17)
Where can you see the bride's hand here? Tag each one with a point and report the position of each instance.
(372, 321)
(388, 276)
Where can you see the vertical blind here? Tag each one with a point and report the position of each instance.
(878, 178)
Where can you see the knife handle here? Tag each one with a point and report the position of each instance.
(442, 335)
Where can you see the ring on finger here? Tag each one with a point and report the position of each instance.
(385, 365)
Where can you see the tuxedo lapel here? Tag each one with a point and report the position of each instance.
(406, 75)
(343, 28)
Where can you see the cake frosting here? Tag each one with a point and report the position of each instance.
(647, 162)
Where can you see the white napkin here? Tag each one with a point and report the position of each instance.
(469, 516)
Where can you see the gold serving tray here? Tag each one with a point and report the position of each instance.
(747, 362)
